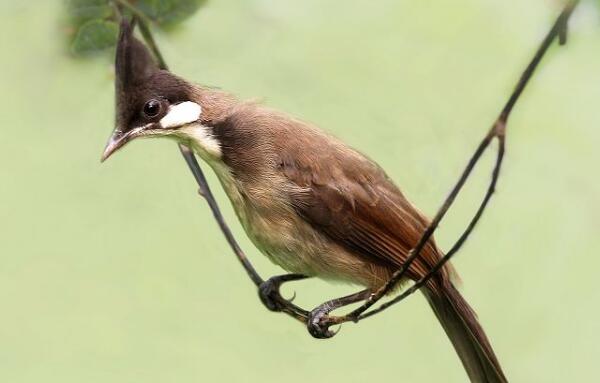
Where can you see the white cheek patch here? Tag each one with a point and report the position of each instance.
(181, 114)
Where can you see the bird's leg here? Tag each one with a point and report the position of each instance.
(318, 319)
(269, 294)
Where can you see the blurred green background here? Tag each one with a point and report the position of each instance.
(117, 272)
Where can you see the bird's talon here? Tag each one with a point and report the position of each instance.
(334, 332)
(292, 298)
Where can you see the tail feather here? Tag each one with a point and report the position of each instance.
(471, 344)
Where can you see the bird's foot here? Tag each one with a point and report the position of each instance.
(319, 322)
(270, 295)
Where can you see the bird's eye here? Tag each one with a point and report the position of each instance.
(152, 108)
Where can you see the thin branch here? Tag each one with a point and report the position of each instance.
(421, 282)
(190, 159)
(214, 207)
(497, 131)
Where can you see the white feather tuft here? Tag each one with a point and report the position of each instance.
(181, 114)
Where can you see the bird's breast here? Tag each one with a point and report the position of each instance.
(284, 237)
(268, 221)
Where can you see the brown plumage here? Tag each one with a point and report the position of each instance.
(310, 203)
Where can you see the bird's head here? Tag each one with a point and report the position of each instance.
(151, 102)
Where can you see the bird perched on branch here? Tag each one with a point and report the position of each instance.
(309, 202)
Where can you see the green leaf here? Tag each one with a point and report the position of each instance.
(169, 12)
(95, 36)
(91, 25)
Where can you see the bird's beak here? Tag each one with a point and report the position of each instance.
(118, 140)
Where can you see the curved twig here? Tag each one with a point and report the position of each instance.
(189, 157)
(498, 131)
(421, 282)
(214, 207)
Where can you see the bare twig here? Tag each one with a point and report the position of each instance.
(214, 207)
(189, 157)
(498, 131)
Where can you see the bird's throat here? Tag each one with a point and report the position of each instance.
(202, 141)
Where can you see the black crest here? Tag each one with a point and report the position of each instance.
(134, 64)
(139, 80)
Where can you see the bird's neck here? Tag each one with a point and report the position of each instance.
(216, 105)
(234, 138)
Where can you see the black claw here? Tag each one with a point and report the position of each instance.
(292, 298)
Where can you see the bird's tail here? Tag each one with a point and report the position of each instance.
(471, 344)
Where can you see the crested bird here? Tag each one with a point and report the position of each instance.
(309, 202)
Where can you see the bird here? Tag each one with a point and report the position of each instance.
(313, 205)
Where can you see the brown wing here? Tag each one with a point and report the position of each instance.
(352, 200)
